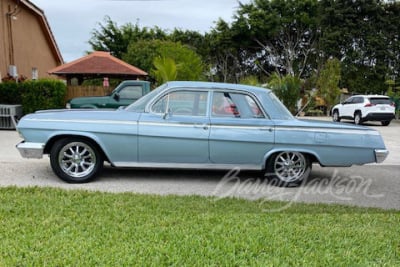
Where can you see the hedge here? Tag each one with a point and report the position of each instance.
(34, 95)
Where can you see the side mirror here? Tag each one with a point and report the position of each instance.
(116, 96)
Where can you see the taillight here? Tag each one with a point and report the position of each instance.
(369, 105)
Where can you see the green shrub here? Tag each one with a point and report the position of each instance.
(34, 95)
(10, 93)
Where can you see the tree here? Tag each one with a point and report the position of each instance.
(364, 36)
(287, 89)
(328, 83)
(283, 34)
(143, 53)
(164, 70)
(224, 60)
(116, 40)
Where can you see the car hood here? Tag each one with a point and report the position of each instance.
(79, 115)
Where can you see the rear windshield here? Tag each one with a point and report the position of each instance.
(380, 101)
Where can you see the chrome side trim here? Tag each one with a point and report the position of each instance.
(31, 150)
(173, 124)
(381, 155)
(327, 130)
(201, 166)
(86, 121)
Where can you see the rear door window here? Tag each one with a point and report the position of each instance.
(236, 105)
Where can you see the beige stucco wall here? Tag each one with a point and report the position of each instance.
(29, 41)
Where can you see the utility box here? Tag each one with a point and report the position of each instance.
(9, 115)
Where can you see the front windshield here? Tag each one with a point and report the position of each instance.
(140, 104)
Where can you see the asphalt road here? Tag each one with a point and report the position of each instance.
(373, 185)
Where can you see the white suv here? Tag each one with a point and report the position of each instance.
(362, 108)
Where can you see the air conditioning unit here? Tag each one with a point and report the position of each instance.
(9, 116)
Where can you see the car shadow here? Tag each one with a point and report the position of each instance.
(206, 176)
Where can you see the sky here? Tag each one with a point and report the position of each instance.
(73, 21)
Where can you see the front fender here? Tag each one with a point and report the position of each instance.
(66, 134)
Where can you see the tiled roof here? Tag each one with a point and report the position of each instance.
(98, 62)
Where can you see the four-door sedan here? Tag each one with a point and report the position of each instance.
(196, 125)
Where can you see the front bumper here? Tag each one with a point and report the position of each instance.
(381, 155)
(31, 150)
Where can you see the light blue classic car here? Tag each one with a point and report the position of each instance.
(196, 125)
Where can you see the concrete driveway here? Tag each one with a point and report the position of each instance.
(374, 185)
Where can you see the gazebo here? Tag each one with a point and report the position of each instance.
(98, 64)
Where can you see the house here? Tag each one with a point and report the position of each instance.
(27, 45)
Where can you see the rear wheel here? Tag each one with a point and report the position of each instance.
(357, 118)
(335, 116)
(75, 160)
(385, 123)
(288, 168)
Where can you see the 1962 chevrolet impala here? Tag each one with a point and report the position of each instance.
(196, 125)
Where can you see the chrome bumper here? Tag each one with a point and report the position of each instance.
(381, 155)
(31, 150)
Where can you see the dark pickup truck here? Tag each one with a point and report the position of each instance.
(126, 93)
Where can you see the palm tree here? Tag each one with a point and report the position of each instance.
(165, 69)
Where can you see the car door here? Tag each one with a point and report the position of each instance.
(348, 108)
(241, 132)
(176, 129)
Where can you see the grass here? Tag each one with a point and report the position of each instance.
(52, 227)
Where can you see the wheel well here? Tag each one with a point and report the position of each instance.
(311, 157)
(54, 139)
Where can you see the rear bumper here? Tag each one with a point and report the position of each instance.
(379, 117)
(381, 155)
(31, 150)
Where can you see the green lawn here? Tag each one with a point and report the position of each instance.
(52, 227)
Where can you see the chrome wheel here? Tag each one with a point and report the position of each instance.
(288, 168)
(77, 159)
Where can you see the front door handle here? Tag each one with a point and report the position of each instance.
(267, 128)
(201, 126)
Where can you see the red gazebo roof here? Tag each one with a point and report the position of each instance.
(98, 62)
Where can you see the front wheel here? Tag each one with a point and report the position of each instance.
(288, 168)
(385, 123)
(335, 116)
(75, 160)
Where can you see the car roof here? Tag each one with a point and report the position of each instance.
(377, 96)
(216, 85)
